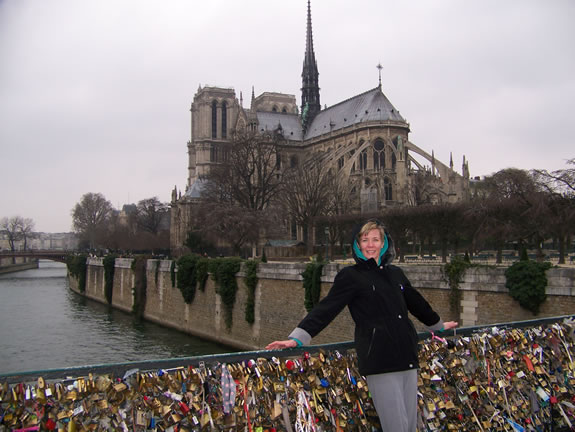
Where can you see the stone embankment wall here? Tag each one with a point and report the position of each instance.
(279, 300)
(10, 265)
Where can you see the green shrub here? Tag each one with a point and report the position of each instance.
(109, 262)
(77, 267)
(251, 282)
(187, 277)
(312, 284)
(526, 281)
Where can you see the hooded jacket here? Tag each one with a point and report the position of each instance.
(379, 297)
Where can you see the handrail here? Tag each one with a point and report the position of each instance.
(171, 363)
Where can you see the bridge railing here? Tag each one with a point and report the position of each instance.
(155, 364)
(479, 378)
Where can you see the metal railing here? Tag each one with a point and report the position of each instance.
(170, 363)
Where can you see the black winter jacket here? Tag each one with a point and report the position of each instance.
(378, 298)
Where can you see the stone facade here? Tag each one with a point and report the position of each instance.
(279, 300)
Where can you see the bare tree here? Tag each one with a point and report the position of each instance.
(307, 195)
(237, 226)
(13, 228)
(559, 204)
(243, 186)
(90, 217)
(397, 220)
(341, 202)
(514, 209)
(249, 174)
(26, 230)
(559, 181)
(151, 213)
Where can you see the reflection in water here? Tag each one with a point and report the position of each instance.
(44, 325)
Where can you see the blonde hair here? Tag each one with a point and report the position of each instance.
(371, 225)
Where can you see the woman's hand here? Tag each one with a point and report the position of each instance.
(450, 325)
(290, 343)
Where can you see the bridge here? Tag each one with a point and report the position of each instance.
(49, 254)
(455, 381)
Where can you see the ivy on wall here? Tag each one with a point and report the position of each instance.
(187, 277)
(251, 282)
(526, 281)
(454, 273)
(312, 284)
(140, 284)
(202, 272)
(223, 272)
(109, 263)
(77, 266)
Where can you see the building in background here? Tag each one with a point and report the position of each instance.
(364, 138)
(42, 241)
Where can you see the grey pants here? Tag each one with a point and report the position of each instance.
(395, 397)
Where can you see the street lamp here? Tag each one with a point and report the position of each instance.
(326, 231)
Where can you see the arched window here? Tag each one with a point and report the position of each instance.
(275, 109)
(284, 110)
(363, 160)
(214, 119)
(378, 154)
(224, 119)
(387, 188)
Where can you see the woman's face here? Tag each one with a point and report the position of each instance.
(370, 244)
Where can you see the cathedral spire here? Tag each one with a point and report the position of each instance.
(310, 104)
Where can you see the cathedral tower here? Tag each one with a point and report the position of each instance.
(310, 104)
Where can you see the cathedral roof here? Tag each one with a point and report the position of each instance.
(372, 105)
(196, 189)
(290, 124)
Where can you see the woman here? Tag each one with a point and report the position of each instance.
(379, 297)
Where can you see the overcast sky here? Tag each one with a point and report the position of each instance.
(95, 95)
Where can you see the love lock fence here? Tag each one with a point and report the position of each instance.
(517, 376)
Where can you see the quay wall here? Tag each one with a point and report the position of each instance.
(16, 264)
(279, 300)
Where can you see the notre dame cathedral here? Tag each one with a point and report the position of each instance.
(364, 138)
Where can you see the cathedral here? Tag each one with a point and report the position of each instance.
(364, 138)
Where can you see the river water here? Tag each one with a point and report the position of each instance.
(44, 325)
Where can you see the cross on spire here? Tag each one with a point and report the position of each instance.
(379, 67)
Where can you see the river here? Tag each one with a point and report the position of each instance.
(44, 325)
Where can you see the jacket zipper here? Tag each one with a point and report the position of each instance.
(371, 341)
(372, 333)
